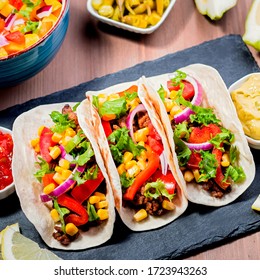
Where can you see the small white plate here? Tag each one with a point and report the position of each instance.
(9, 189)
(252, 142)
(128, 27)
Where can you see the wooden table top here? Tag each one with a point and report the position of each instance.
(94, 50)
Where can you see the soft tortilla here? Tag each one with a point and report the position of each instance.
(216, 96)
(84, 111)
(29, 189)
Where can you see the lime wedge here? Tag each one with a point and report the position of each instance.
(214, 9)
(256, 204)
(15, 246)
(252, 26)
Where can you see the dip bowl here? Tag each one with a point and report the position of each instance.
(23, 65)
(8, 190)
(252, 142)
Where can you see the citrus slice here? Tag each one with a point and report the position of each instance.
(252, 26)
(15, 246)
(214, 9)
(256, 204)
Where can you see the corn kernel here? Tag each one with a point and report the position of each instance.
(102, 98)
(64, 141)
(188, 176)
(70, 132)
(40, 129)
(176, 109)
(141, 143)
(121, 169)
(37, 148)
(140, 215)
(94, 199)
(55, 152)
(101, 204)
(168, 205)
(49, 188)
(113, 96)
(58, 178)
(71, 229)
(141, 163)
(58, 169)
(63, 163)
(141, 134)
(133, 171)
(102, 214)
(65, 174)
(133, 104)
(102, 196)
(143, 155)
(196, 174)
(127, 157)
(56, 137)
(55, 215)
(173, 94)
(168, 104)
(225, 160)
(35, 141)
(130, 164)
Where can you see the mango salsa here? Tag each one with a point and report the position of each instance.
(24, 22)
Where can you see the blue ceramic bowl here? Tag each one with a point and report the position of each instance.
(22, 66)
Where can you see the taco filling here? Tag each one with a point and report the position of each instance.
(205, 149)
(148, 186)
(73, 186)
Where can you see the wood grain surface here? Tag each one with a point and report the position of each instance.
(92, 49)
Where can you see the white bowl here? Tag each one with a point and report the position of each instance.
(8, 189)
(128, 27)
(252, 142)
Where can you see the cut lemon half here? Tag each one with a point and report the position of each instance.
(214, 9)
(15, 246)
(252, 26)
(256, 204)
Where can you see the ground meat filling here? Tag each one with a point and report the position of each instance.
(67, 110)
(62, 237)
(215, 190)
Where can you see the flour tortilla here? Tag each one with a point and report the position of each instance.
(217, 97)
(29, 189)
(85, 110)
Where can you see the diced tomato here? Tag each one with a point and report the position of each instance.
(204, 134)
(48, 179)
(167, 179)
(16, 3)
(188, 90)
(153, 132)
(194, 160)
(45, 143)
(107, 127)
(16, 37)
(2, 24)
(156, 145)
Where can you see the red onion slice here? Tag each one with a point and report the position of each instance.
(44, 11)
(164, 164)
(3, 41)
(9, 21)
(199, 146)
(196, 100)
(130, 119)
(19, 21)
(65, 155)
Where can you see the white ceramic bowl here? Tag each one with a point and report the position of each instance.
(252, 142)
(9, 189)
(128, 27)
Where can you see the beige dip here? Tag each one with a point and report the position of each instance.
(247, 103)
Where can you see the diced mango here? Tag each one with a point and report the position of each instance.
(55, 4)
(3, 3)
(14, 48)
(7, 9)
(3, 53)
(31, 39)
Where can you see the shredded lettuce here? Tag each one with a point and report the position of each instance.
(182, 150)
(208, 166)
(62, 212)
(156, 189)
(116, 106)
(236, 173)
(44, 169)
(61, 121)
(126, 182)
(224, 137)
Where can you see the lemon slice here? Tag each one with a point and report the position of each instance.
(15, 246)
(252, 26)
(256, 204)
(214, 9)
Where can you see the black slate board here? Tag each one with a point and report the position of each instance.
(200, 227)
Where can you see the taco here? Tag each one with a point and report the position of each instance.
(204, 131)
(147, 186)
(60, 179)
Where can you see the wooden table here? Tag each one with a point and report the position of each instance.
(93, 50)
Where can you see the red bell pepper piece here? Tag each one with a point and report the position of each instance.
(143, 176)
(107, 127)
(80, 215)
(167, 179)
(188, 90)
(16, 3)
(45, 143)
(84, 191)
(48, 179)
(204, 134)
(219, 175)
